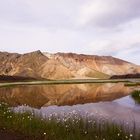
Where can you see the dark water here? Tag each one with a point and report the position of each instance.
(109, 101)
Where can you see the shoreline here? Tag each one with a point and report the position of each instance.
(71, 81)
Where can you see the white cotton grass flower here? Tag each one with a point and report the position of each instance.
(126, 137)
(86, 132)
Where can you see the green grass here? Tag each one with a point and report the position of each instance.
(76, 128)
(132, 84)
(71, 81)
(136, 96)
(96, 74)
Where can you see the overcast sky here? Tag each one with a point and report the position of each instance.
(102, 27)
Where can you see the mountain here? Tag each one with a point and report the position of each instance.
(26, 65)
(63, 65)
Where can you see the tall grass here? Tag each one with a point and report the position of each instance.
(136, 96)
(61, 129)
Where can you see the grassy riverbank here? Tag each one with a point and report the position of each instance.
(72, 81)
(136, 96)
(29, 126)
(132, 84)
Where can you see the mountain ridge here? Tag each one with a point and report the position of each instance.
(39, 64)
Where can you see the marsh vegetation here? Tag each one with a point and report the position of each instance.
(136, 96)
(54, 128)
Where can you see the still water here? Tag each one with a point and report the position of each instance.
(109, 101)
(38, 96)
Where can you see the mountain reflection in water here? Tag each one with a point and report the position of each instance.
(38, 96)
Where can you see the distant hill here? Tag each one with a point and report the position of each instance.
(63, 65)
(137, 75)
(4, 78)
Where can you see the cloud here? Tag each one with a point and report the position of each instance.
(124, 44)
(131, 54)
(71, 26)
(115, 44)
(47, 13)
(25, 39)
(108, 13)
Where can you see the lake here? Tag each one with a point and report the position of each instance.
(111, 101)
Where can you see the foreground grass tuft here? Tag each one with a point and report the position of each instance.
(33, 127)
(136, 96)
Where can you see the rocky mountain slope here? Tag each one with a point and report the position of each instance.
(63, 65)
